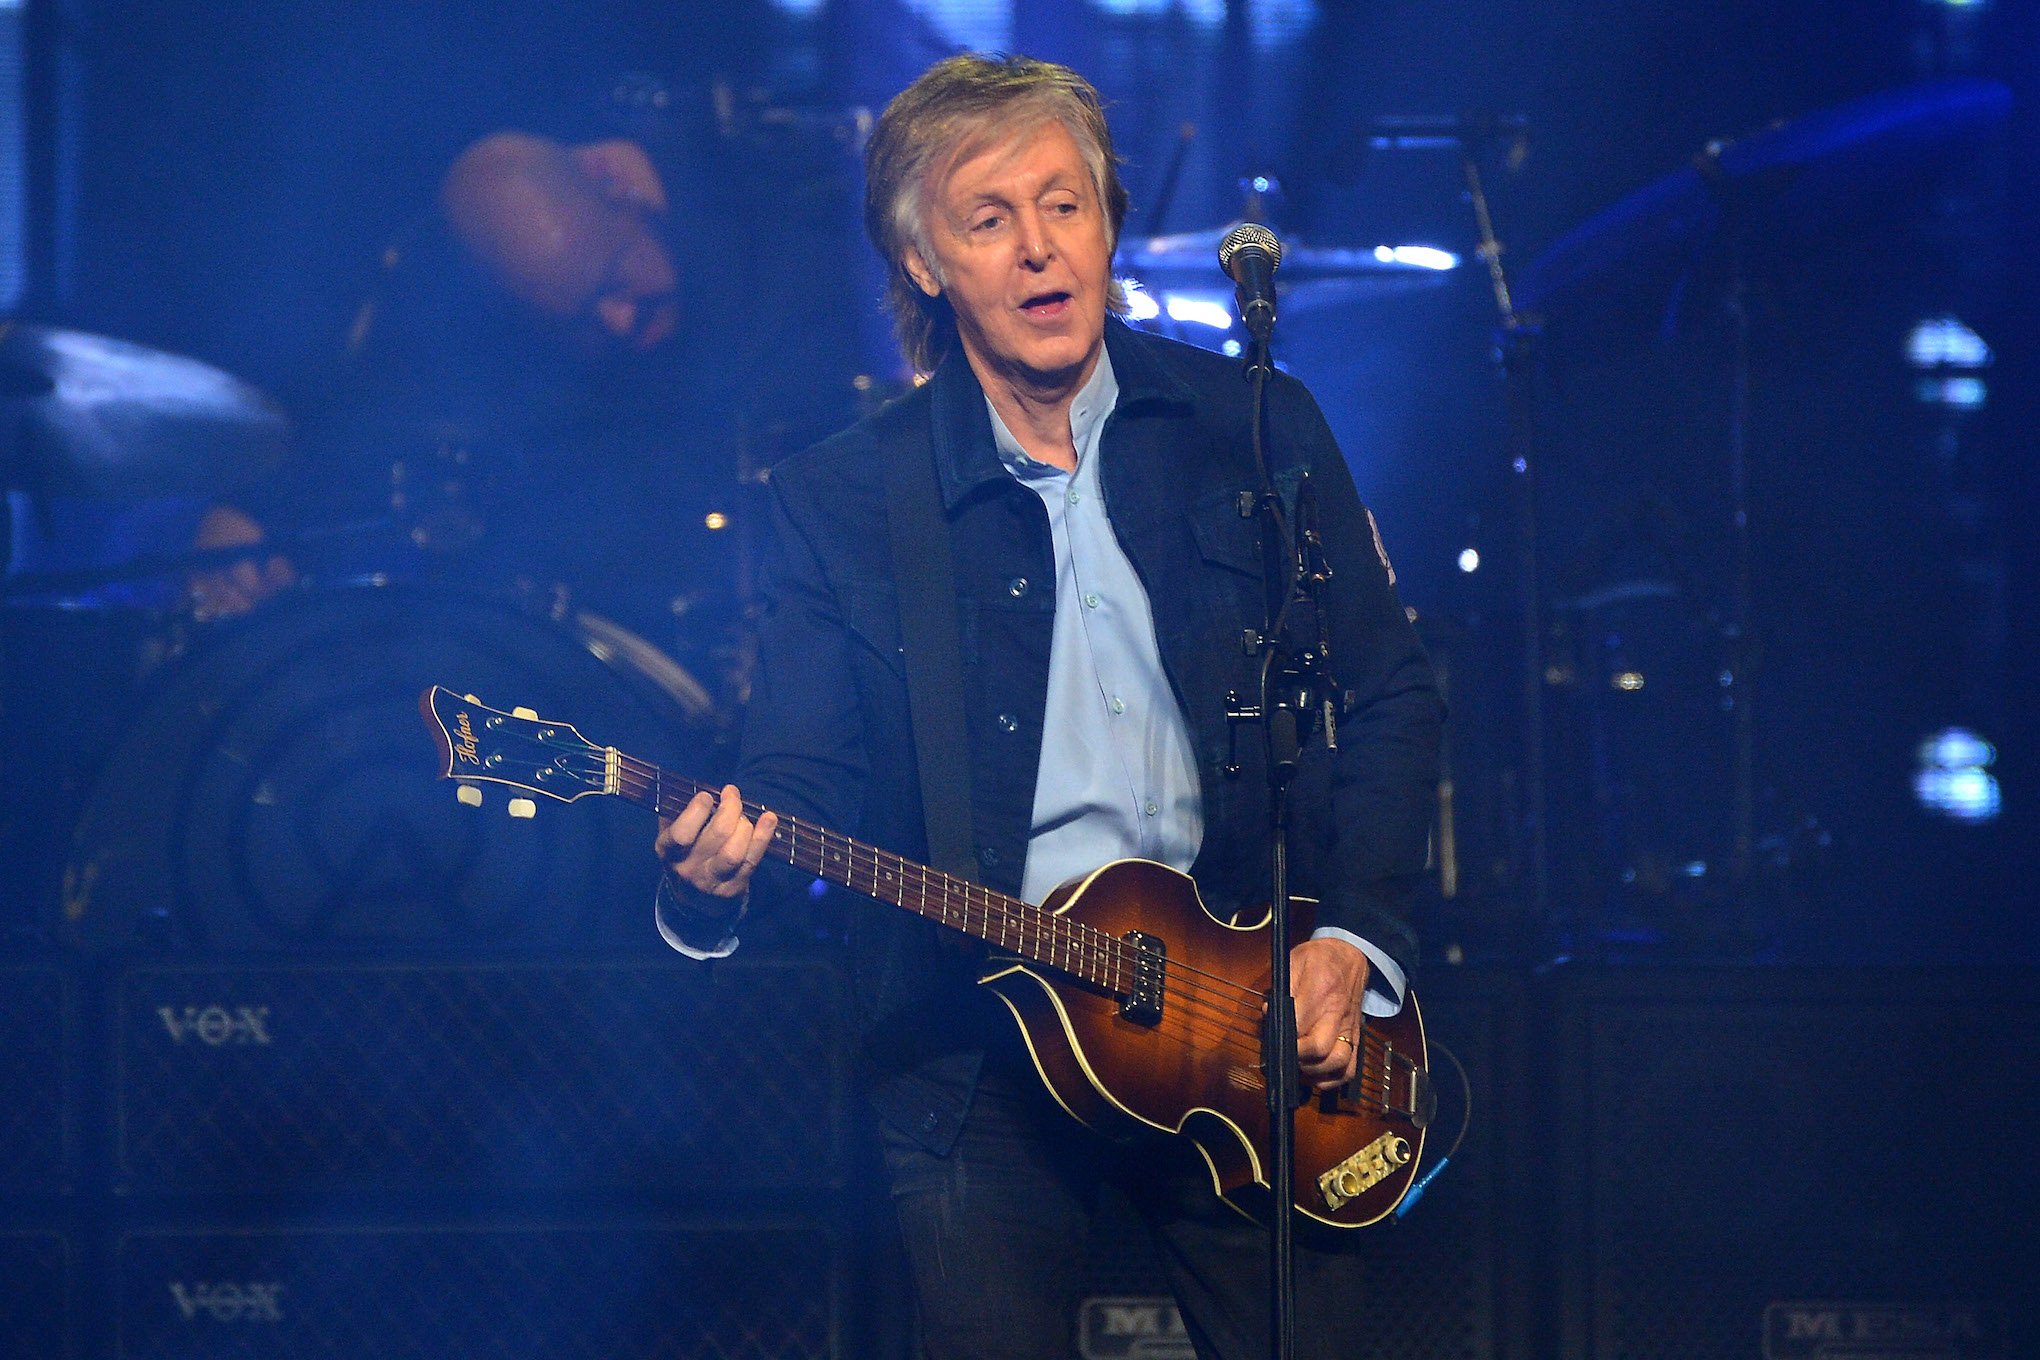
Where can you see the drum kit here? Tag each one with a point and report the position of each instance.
(249, 782)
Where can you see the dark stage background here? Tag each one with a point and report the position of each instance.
(222, 180)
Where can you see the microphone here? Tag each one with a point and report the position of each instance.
(1248, 255)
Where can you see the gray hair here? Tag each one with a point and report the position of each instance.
(953, 107)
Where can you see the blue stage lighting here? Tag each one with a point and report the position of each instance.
(1944, 342)
(1420, 257)
(1954, 776)
(1198, 311)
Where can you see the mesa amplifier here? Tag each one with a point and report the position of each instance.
(38, 1082)
(507, 1076)
(666, 1289)
(1800, 1164)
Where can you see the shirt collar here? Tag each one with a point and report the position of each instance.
(1088, 409)
(966, 451)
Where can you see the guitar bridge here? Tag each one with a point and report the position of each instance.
(1143, 1003)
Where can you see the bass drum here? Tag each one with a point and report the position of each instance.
(277, 789)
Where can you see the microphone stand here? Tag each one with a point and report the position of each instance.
(1295, 692)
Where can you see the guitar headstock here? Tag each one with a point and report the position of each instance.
(483, 745)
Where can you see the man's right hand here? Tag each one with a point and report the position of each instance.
(712, 846)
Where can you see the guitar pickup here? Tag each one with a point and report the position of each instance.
(1143, 1001)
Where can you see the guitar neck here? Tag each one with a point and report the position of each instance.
(1009, 924)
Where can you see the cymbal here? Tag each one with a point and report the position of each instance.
(87, 415)
(1788, 178)
(1310, 277)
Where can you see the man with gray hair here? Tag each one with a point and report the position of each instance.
(1088, 478)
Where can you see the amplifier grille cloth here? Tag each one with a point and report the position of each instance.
(611, 1292)
(631, 1075)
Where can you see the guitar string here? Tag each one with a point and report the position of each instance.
(1120, 957)
(1058, 942)
(1054, 934)
(1109, 957)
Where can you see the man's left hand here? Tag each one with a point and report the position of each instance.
(1327, 978)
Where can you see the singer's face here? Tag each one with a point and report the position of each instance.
(1023, 253)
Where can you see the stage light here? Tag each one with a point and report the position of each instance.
(1418, 257)
(1198, 311)
(1954, 777)
(1627, 681)
(1469, 560)
(1944, 342)
(1140, 303)
(716, 519)
(1963, 394)
(1956, 748)
(1230, 349)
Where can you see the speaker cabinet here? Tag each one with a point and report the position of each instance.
(513, 1076)
(39, 1277)
(1763, 1161)
(649, 1288)
(38, 1079)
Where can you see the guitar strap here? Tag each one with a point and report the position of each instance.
(934, 653)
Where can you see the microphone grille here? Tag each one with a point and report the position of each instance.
(1248, 236)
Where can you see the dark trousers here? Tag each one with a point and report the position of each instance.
(998, 1234)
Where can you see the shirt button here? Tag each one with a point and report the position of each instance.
(1091, 600)
(1074, 496)
(1118, 704)
(1008, 723)
(1152, 807)
(1017, 587)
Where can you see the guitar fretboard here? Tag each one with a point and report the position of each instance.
(1007, 923)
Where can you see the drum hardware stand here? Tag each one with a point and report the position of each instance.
(1516, 353)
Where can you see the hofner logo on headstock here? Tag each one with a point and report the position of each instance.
(466, 747)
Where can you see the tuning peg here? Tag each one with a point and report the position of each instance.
(469, 795)
(521, 712)
(523, 807)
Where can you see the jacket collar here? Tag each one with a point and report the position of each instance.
(966, 456)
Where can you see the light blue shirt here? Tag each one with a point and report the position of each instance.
(1118, 774)
(1118, 777)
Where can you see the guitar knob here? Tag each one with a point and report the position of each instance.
(523, 807)
(468, 795)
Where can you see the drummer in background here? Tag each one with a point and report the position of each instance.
(526, 340)
(571, 233)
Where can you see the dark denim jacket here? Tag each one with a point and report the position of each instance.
(828, 735)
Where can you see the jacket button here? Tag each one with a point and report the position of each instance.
(988, 857)
(928, 1123)
(1017, 587)
(1008, 723)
